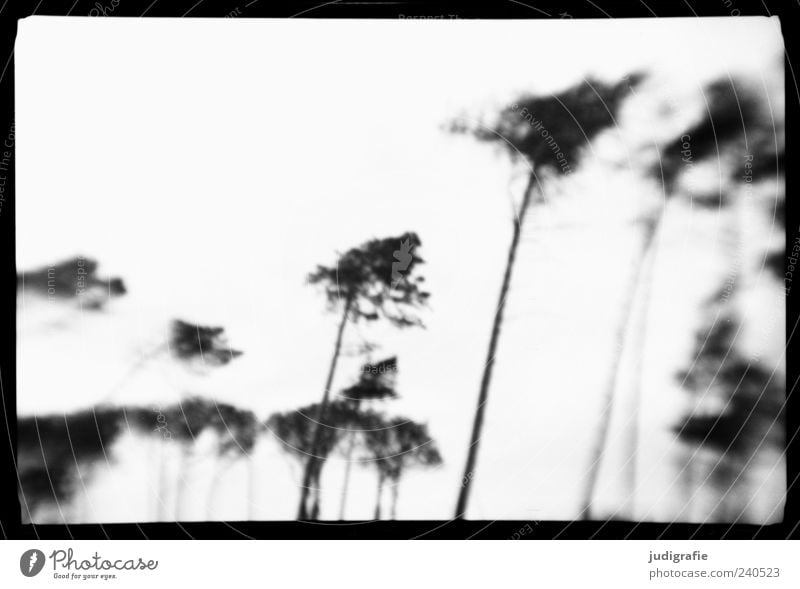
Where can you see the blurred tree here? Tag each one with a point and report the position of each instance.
(394, 446)
(376, 382)
(737, 413)
(237, 432)
(73, 279)
(364, 284)
(194, 346)
(549, 134)
(56, 454)
(298, 433)
(732, 127)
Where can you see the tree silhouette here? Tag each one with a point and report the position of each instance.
(751, 418)
(73, 279)
(549, 134)
(194, 346)
(298, 434)
(56, 454)
(208, 345)
(376, 382)
(237, 432)
(394, 446)
(375, 280)
(732, 125)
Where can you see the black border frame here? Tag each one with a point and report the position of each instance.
(10, 523)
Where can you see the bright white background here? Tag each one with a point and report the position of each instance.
(213, 164)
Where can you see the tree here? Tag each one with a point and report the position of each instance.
(73, 279)
(298, 434)
(194, 346)
(56, 454)
(365, 284)
(549, 135)
(234, 428)
(376, 382)
(394, 446)
(732, 124)
(237, 432)
(750, 419)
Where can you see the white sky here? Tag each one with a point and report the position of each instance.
(213, 163)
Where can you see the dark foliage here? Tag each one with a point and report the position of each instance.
(538, 127)
(734, 124)
(752, 399)
(75, 278)
(196, 342)
(52, 449)
(375, 382)
(399, 443)
(366, 276)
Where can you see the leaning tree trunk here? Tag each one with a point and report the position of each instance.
(477, 426)
(313, 459)
(348, 466)
(637, 346)
(163, 483)
(315, 481)
(395, 493)
(379, 496)
(601, 436)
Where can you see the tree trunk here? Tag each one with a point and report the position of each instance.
(347, 468)
(395, 493)
(163, 487)
(601, 437)
(379, 497)
(313, 459)
(638, 344)
(251, 488)
(469, 468)
(316, 496)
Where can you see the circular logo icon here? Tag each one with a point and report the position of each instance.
(31, 562)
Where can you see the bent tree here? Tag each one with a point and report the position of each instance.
(549, 135)
(373, 281)
(732, 124)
